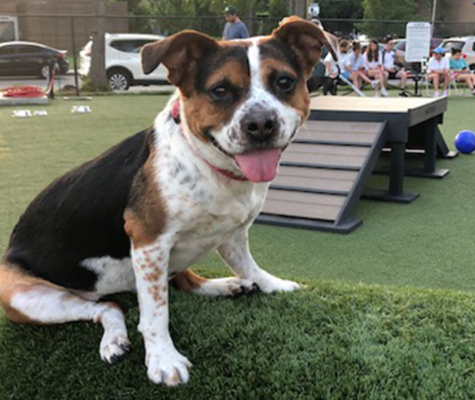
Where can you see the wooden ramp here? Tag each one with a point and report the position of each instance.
(322, 174)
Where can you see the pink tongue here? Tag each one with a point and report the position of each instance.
(259, 166)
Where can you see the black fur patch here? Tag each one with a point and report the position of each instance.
(79, 216)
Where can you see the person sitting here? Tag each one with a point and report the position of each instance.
(332, 71)
(343, 55)
(388, 56)
(439, 71)
(374, 66)
(460, 70)
(355, 64)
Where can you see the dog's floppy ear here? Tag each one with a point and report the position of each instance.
(306, 38)
(178, 53)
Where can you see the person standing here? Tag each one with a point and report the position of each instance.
(234, 28)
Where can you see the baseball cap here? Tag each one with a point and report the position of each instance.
(439, 50)
(230, 10)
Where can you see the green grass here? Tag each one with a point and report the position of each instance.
(369, 326)
(331, 341)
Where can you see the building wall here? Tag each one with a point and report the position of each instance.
(58, 31)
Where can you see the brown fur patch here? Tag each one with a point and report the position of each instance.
(305, 38)
(268, 65)
(300, 99)
(145, 214)
(188, 280)
(202, 113)
(14, 281)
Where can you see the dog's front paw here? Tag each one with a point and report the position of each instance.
(114, 346)
(227, 287)
(168, 367)
(268, 283)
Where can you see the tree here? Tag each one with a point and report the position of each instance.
(97, 73)
(404, 10)
(349, 9)
(341, 9)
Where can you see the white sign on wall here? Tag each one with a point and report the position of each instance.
(8, 28)
(418, 35)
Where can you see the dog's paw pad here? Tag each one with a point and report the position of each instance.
(241, 287)
(114, 348)
(170, 370)
(273, 284)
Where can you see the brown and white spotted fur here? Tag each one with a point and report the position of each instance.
(170, 195)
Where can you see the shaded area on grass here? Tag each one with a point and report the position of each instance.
(329, 341)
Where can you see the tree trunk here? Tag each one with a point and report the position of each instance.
(98, 64)
(299, 8)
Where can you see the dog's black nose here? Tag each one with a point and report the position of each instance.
(260, 125)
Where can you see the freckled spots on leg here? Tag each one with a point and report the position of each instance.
(153, 276)
(156, 297)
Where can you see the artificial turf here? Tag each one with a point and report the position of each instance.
(341, 338)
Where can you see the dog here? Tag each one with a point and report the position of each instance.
(139, 215)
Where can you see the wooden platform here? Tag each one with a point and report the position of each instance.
(411, 123)
(321, 176)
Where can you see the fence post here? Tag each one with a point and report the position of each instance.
(75, 64)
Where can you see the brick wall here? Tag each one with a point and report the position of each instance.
(57, 31)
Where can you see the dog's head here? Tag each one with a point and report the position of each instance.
(245, 98)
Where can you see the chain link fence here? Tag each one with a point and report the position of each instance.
(73, 32)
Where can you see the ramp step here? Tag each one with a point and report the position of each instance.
(305, 205)
(343, 132)
(318, 173)
(321, 180)
(318, 156)
(329, 149)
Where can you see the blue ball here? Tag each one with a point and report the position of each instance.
(465, 142)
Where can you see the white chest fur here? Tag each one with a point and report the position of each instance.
(203, 207)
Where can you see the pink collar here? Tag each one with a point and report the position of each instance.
(175, 113)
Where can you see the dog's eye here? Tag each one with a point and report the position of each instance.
(285, 83)
(220, 92)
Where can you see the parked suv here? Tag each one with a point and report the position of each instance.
(123, 60)
(466, 44)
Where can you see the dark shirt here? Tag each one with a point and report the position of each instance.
(235, 30)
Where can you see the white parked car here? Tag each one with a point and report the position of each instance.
(466, 44)
(123, 60)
